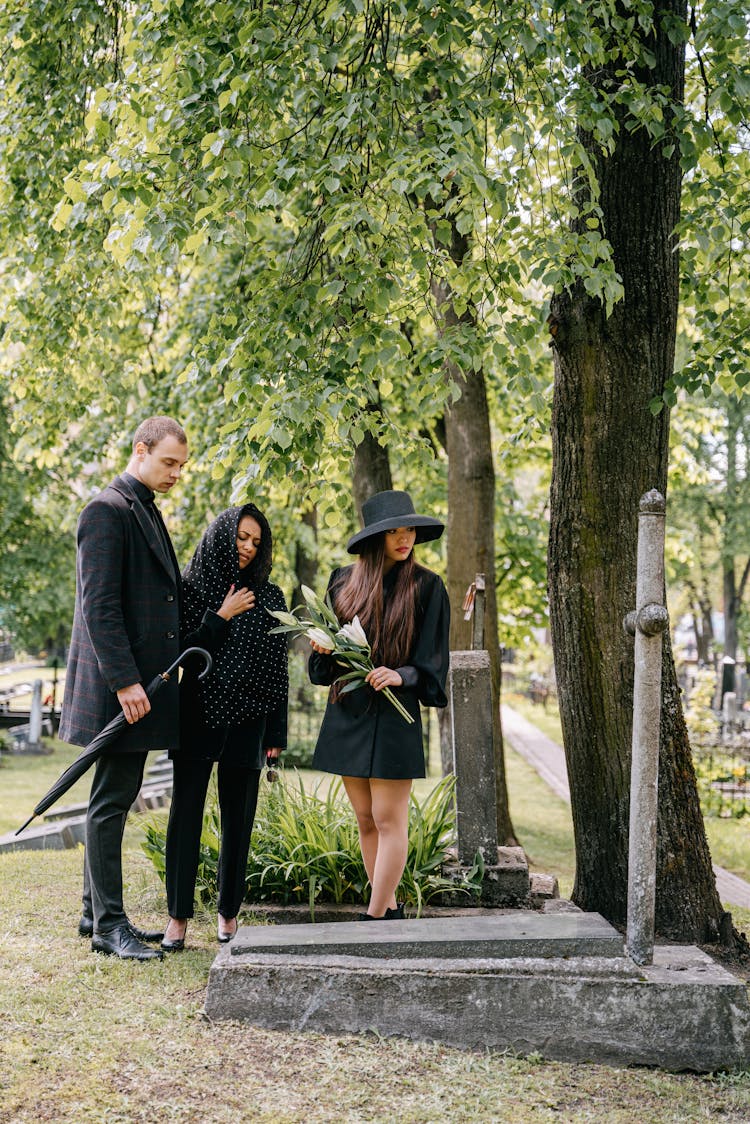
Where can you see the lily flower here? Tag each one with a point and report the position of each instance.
(355, 633)
(319, 636)
(347, 644)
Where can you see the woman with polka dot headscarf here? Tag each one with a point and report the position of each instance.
(236, 715)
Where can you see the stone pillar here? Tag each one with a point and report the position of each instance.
(35, 717)
(473, 761)
(647, 624)
(729, 713)
(505, 875)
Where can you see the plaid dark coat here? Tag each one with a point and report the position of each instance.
(126, 626)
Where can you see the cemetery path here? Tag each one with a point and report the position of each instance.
(548, 759)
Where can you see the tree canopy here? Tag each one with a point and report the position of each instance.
(294, 225)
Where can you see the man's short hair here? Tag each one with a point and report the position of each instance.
(153, 430)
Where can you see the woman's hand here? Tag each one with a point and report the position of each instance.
(274, 754)
(381, 677)
(236, 601)
(319, 648)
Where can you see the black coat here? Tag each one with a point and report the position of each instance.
(126, 625)
(243, 745)
(362, 734)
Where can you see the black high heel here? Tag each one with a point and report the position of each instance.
(222, 936)
(173, 945)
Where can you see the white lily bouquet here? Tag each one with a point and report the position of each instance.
(348, 642)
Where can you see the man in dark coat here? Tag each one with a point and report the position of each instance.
(125, 631)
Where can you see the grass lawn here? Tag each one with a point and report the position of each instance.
(728, 839)
(85, 1038)
(26, 675)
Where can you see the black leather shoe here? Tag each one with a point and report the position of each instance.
(396, 914)
(121, 942)
(369, 917)
(149, 936)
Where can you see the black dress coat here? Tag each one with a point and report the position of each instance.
(363, 735)
(126, 624)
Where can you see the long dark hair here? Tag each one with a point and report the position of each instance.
(257, 571)
(390, 629)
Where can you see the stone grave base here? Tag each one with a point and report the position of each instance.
(558, 985)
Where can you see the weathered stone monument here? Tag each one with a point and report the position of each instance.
(35, 718)
(505, 878)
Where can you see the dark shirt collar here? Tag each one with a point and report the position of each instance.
(144, 494)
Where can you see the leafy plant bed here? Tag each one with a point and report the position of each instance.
(305, 847)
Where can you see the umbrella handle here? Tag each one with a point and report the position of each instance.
(181, 659)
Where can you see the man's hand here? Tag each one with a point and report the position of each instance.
(134, 703)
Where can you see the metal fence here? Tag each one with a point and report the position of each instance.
(723, 773)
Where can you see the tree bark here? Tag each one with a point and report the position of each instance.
(608, 449)
(471, 549)
(471, 522)
(729, 579)
(371, 469)
(703, 628)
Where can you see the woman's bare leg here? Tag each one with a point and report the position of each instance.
(390, 812)
(358, 791)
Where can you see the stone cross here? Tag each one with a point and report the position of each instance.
(647, 624)
(35, 715)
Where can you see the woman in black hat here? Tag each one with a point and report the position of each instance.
(404, 611)
(236, 715)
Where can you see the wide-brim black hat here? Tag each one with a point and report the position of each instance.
(385, 511)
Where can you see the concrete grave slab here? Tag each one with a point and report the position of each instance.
(493, 936)
(39, 837)
(684, 1012)
(65, 811)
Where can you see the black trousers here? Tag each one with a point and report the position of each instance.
(238, 797)
(117, 782)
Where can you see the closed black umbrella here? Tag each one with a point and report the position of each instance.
(105, 737)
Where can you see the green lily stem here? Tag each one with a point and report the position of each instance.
(399, 706)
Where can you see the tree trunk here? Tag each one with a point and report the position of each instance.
(371, 470)
(471, 522)
(703, 628)
(608, 449)
(471, 548)
(729, 580)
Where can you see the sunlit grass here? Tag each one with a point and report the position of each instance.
(728, 839)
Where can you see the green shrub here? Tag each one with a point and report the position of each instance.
(305, 847)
